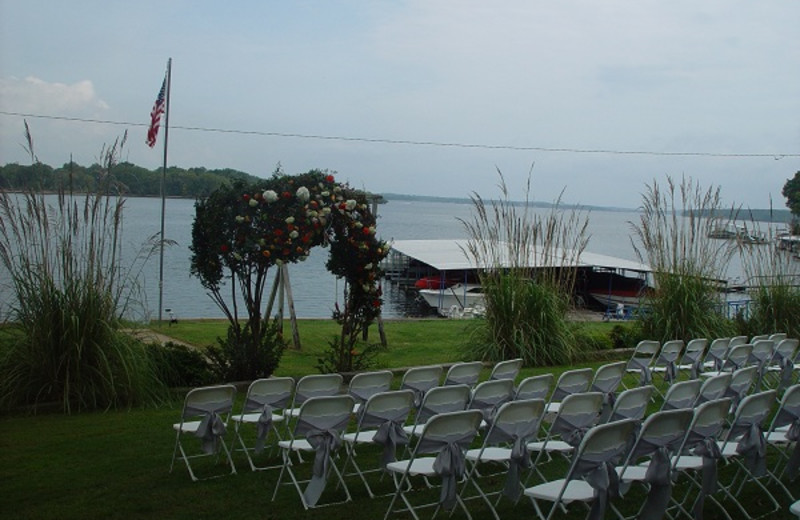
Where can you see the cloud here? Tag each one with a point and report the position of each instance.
(34, 95)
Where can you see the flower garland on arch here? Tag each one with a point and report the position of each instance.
(245, 229)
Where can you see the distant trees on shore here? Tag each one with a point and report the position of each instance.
(128, 178)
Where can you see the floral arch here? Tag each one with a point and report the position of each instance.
(242, 230)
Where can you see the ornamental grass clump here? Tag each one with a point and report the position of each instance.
(773, 280)
(526, 267)
(672, 236)
(70, 292)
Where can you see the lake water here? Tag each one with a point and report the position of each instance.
(315, 290)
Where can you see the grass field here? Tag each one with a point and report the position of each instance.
(116, 464)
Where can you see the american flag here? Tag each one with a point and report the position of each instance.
(155, 115)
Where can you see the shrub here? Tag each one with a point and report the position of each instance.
(239, 358)
(179, 366)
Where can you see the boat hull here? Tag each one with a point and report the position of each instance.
(455, 299)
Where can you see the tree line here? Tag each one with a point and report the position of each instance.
(125, 178)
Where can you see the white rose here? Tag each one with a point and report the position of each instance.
(270, 196)
(350, 204)
(294, 234)
(290, 220)
(302, 194)
(239, 219)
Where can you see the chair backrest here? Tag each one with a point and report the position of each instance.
(694, 351)
(444, 428)
(751, 410)
(442, 399)
(534, 387)
(571, 382)
(325, 413)
(738, 355)
(717, 352)
(632, 404)
(737, 340)
(316, 385)
(663, 429)
(759, 337)
(576, 413)
(741, 382)
(785, 349)
(788, 409)
(707, 422)
(603, 444)
(217, 399)
(508, 369)
(366, 384)
(489, 395)
(464, 373)
(762, 351)
(670, 352)
(394, 406)
(421, 379)
(682, 394)
(714, 388)
(275, 392)
(778, 337)
(608, 377)
(516, 420)
(643, 354)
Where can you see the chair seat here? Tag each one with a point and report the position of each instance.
(186, 427)
(557, 446)
(688, 462)
(795, 508)
(553, 408)
(252, 418)
(490, 454)
(292, 412)
(297, 445)
(412, 429)
(576, 490)
(633, 473)
(777, 437)
(363, 437)
(419, 466)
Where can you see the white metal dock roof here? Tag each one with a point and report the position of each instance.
(450, 255)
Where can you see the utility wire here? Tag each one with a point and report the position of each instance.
(412, 142)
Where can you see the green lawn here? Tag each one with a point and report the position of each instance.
(116, 464)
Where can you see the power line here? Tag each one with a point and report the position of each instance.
(409, 142)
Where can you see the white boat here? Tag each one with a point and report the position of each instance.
(455, 301)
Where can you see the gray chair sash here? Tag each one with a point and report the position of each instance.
(324, 439)
(753, 446)
(265, 406)
(573, 430)
(603, 478)
(793, 435)
(646, 376)
(518, 435)
(449, 463)
(709, 450)
(263, 426)
(659, 478)
(787, 368)
(211, 426)
(390, 434)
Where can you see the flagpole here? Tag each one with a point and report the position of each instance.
(163, 194)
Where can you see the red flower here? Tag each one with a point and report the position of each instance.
(329, 178)
(365, 230)
(376, 303)
(286, 195)
(224, 248)
(266, 253)
(246, 197)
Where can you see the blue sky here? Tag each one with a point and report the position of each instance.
(663, 77)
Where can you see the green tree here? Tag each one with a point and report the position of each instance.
(791, 190)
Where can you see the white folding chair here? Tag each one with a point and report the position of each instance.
(783, 434)
(713, 388)
(779, 372)
(692, 358)
(441, 399)
(420, 380)
(682, 394)
(465, 373)
(649, 461)
(716, 354)
(607, 379)
(447, 435)
(742, 381)
(380, 422)
(314, 385)
(642, 358)
(508, 369)
(760, 357)
(737, 357)
(264, 398)
(577, 413)
(534, 387)
(759, 337)
(590, 473)
(738, 340)
(505, 444)
(744, 446)
(777, 337)
(318, 429)
(366, 384)
(569, 382)
(488, 396)
(698, 456)
(205, 415)
(666, 363)
(631, 404)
